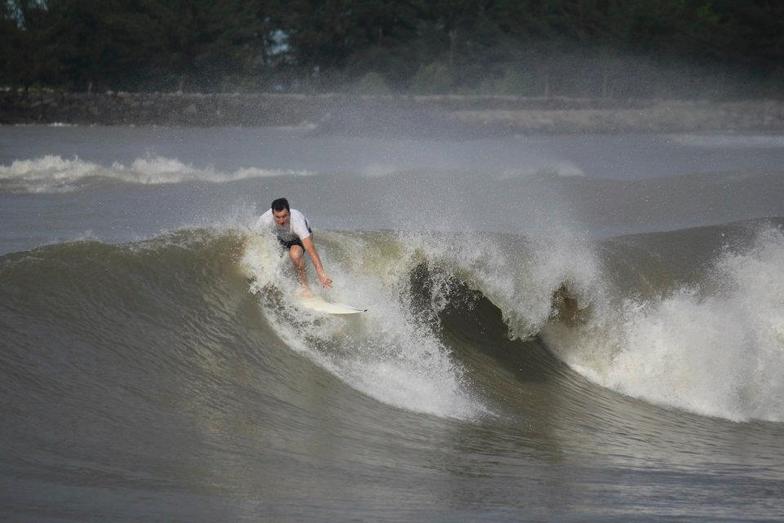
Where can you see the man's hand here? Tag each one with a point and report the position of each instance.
(314, 257)
(324, 279)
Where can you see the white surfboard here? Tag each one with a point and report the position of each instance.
(319, 304)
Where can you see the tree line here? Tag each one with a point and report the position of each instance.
(599, 48)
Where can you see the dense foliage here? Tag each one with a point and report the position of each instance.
(610, 48)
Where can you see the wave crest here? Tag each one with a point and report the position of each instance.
(52, 174)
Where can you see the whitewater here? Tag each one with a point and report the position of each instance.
(558, 327)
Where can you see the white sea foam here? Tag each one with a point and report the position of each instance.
(57, 174)
(553, 169)
(714, 352)
(386, 353)
(46, 174)
(519, 275)
(401, 361)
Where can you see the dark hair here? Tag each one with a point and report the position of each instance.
(280, 204)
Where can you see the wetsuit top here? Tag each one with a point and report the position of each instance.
(296, 229)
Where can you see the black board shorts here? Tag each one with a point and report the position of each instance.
(288, 244)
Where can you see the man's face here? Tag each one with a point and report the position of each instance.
(281, 217)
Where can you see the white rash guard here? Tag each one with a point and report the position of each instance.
(297, 228)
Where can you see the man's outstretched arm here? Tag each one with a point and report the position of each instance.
(310, 248)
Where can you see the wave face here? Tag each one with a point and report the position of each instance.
(651, 330)
(181, 364)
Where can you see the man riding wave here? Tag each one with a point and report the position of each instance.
(295, 235)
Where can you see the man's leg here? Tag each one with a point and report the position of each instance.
(297, 255)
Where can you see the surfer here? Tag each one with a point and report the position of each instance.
(295, 235)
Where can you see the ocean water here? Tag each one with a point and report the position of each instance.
(558, 327)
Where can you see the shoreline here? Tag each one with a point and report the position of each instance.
(435, 115)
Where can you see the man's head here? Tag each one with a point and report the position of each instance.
(280, 211)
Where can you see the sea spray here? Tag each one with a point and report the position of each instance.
(385, 353)
(715, 348)
(519, 275)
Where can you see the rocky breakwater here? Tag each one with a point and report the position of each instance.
(189, 109)
(460, 115)
(639, 116)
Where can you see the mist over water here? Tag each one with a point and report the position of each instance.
(556, 326)
(602, 185)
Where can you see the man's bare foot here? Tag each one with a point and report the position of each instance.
(304, 292)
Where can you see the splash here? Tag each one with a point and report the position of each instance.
(715, 349)
(387, 353)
